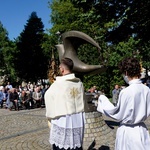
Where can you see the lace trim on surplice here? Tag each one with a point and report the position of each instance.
(66, 137)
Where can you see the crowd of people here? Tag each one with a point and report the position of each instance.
(27, 96)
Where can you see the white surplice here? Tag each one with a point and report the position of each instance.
(68, 131)
(132, 110)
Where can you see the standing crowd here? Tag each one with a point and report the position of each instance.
(28, 96)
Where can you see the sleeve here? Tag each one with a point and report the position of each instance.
(104, 104)
(49, 102)
(112, 92)
(120, 112)
(148, 104)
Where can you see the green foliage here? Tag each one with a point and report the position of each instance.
(115, 25)
(145, 52)
(122, 19)
(115, 54)
(63, 16)
(3, 45)
(120, 27)
(7, 50)
(9, 59)
(121, 50)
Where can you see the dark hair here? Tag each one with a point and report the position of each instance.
(131, 66)
(68, 63)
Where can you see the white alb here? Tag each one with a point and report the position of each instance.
(132, 110)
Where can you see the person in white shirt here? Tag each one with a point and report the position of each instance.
(65, 109)
(37, 96)
(132, 109)
(115, 94)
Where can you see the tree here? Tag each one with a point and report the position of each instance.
(7, 50)
(146, 56)
(65, 17)
(31, 63)
(3, 45)
(116, 25)
(121, 20)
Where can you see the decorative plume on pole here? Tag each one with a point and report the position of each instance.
(53, 69)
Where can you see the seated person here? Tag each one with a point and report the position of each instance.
(37, 96)
(26, 99)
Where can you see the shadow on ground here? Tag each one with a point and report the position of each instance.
(112, 124)
(103, 147)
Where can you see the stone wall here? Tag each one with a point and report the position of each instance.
(96, 128)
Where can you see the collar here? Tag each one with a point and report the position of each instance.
(135, 81)
(65, 77)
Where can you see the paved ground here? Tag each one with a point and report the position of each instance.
(24, 130)
(28, 130)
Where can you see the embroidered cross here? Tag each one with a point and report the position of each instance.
(74, 92)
